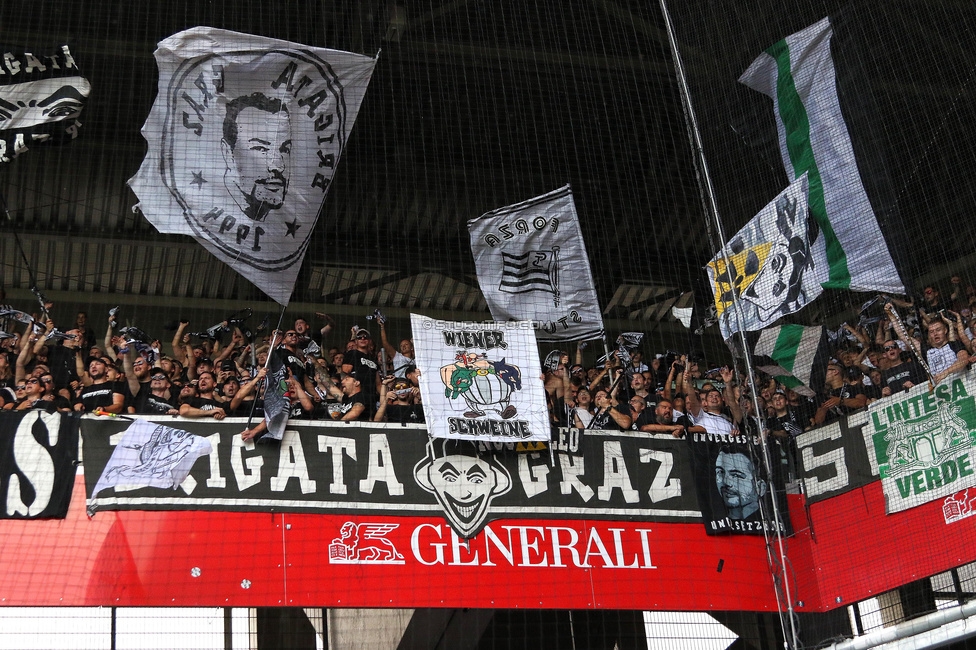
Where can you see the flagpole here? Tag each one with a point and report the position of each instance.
(271, 348)
(711, 207)
(20, 247)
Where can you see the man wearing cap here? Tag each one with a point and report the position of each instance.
(102, 393)
(158, 400)
(784, 422)
(355, 404)
(362, 360)
(228, 389)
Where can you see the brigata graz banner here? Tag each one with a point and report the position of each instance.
(38, 456)
(374, 470)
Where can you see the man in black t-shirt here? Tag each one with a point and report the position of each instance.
(205, 404)
(102, 393)
(158, 400)
(361, 360)
(904, 371)
(784, 423)
(61, 358)
(609, 414)
(839, 397)
(355, 404)
(663, 419)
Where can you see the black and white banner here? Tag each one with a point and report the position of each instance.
(774, 266)
(532, 266)
(42, 94)
(734, 490)
(244, 139)
(374, 470)
(38, 457)
(481, 381)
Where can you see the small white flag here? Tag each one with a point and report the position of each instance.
(151, 455)
(772, 267)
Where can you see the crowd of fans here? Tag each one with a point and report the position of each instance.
(895, 345)
(220, 372)
(215, 373)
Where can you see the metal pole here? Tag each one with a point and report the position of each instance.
(711, 206)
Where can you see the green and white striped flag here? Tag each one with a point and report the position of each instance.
(795, 355)
(798, 74)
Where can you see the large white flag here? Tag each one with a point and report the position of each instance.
(772, 267)
(532, 266)
(151, 455)
(244, 138)
(480, 381)
(798, 74)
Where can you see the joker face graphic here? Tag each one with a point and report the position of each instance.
(40, 102)
(464, 482)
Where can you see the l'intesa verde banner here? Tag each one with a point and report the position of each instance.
(923, 442)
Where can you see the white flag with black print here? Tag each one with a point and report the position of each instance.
(532, 266)
(480, 381)
(151, 455)
(244, 139)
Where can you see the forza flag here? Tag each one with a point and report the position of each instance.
(770, 268)
(41, 99)
(798, 74)
(532, 266)
(38, 456)
(480, 381)
(244, 139)
(150, 455)
(795, 355)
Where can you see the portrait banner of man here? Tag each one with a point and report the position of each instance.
(735, 492)
(244, 139)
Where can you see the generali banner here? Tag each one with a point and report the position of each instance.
(373, 470)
